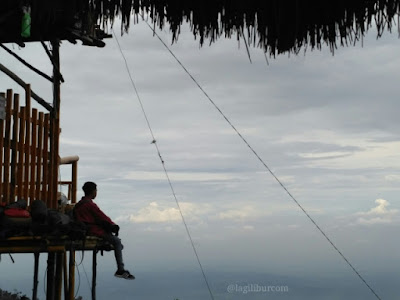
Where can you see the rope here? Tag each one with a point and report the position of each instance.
(87, 278)
(79, 280)
(264, 164)
(165, 169)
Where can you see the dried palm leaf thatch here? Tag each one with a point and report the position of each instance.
(276, 26)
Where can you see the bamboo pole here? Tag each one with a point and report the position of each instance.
(94, 275)
(21, 185)
(55, 120)
(27, 148)
(45, 158)
(35, 276)
(39, 156)
(71, 289)
(14, 147)
(50, 275)
(26, 64)
(7, 146)
(23, 84)
(59, 275)
(3, 96)
(50, 166)
(33, 155)
(66, 289)
(74, 181)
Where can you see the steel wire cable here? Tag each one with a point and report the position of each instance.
(262, 161)
(154, 141)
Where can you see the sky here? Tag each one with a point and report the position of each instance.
(326, 125)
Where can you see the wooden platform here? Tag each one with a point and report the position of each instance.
(46, 244)
(60, 268)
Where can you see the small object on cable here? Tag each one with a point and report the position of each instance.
(153, 142)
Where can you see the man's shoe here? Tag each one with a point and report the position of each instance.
(124, 274)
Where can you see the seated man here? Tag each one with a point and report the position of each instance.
(100, 225)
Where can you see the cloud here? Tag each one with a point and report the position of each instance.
(248, 227)
(378, 214)
(343, 151)
(325, 155)
(242, 213)
(178, 176)
(78, 143)
(154, 213)
(392, 178)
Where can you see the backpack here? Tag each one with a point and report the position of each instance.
(59, 223)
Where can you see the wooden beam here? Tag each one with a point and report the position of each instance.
(18, 80)
(26, 64)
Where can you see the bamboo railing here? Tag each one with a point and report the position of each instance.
(28, 169)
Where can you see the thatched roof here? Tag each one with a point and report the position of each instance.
(274, 25)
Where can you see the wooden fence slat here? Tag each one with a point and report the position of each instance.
(28, 152)
(39, 155)
(7, 146)
(27, 148)
(14, 147)
(54, 163)
(50, 164)
(21, 143)
(3, 95)
(33, 157)
(45, 157)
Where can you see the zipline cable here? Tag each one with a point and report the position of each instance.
(262, 161)
(154, 141)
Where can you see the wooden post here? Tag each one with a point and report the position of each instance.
(55, 136)
(59, 275)
(94, 275)
(71, 288)
(66, 289)
(50, 276)
(35, 276)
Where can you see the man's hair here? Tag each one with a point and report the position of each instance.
(89, 187)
